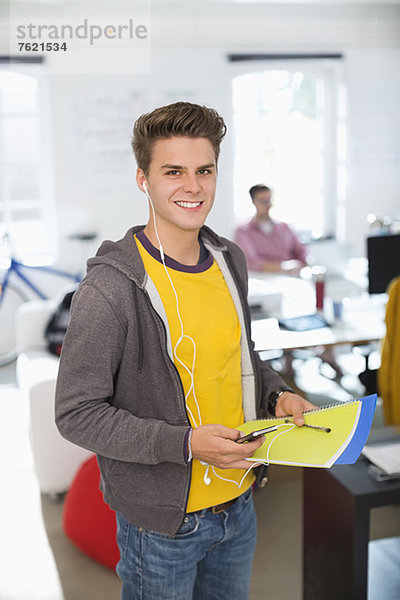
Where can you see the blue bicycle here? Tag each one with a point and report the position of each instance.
(12, 296)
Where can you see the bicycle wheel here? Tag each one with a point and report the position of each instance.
(12, 300)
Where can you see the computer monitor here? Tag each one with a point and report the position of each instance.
(383, 253)
(331, 254)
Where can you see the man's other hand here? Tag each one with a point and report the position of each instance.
(290, 404)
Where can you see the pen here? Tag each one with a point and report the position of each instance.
(318, 427)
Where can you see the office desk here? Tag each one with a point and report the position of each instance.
(286, 296)
(362, 322)
(336, 511)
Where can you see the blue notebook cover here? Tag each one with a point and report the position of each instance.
(359, 439)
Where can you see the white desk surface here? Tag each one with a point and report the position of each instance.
(362, 320)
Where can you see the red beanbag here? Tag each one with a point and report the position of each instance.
(87, 520)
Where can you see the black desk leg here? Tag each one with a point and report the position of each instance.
(335, 540)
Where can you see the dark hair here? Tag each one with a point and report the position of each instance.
(259, 187)
(175, 120)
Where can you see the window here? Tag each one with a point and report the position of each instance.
(25, 189)
(286, 130)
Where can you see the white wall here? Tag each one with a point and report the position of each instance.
(93, 114)
(95, 167)
(374, 137)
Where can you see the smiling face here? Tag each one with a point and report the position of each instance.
(181, 183)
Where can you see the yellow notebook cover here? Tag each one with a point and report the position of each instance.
(349, 425)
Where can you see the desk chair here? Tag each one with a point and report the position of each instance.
(56, 460)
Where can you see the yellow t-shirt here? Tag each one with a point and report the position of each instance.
(209, 317)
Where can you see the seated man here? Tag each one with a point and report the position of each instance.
(271, 246)
(268, 244)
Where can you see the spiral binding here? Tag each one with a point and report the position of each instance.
(318, 410)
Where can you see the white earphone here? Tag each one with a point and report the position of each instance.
(206, 478)
(190, 371)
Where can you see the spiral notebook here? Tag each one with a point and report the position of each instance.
(349, 424)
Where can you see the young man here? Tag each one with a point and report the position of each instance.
(268, 244)
(158, 370)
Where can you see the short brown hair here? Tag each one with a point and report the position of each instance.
(259, 187)
(175, 120)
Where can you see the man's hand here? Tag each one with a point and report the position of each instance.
(215, 445)
(293, 404)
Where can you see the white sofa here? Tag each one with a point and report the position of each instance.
(56, 460)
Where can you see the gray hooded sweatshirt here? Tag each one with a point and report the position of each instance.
(119, 393)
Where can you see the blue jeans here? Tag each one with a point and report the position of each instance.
(210, 558)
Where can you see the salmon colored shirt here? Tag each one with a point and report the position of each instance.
(277, 245)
